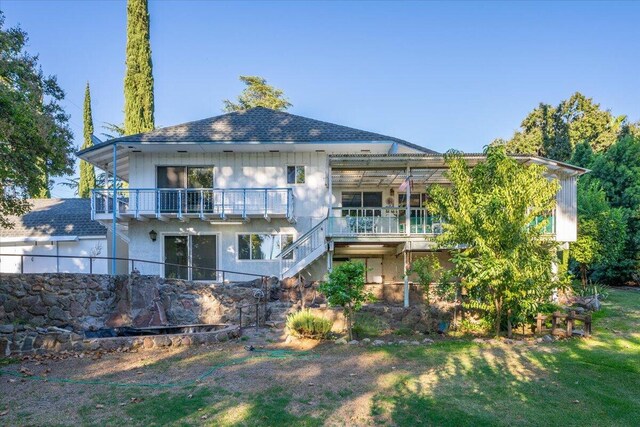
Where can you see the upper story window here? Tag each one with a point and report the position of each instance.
(184, 176)
(260, 246)
(295, 174)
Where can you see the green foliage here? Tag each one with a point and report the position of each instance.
(366, 325)
(138, 80)
(481, 326)
(602, 230)
(448, 287)
(426, 268)
(591, 289)
(617, 173)
(87, 180)
(506, 261)
(555, 132)
(404, 331)
(35, 139)
(345, 288)
(258, 94)
(305, 324)
(580, 131)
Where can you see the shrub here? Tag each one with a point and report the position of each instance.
(304, 324)
(592, 289)
(345, 288)
(481, 326)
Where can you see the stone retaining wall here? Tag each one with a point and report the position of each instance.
(52, 311)
(23, 340)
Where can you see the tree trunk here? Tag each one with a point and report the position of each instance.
(498, 305)
(583, 274)
(349, 320)
(509, 326)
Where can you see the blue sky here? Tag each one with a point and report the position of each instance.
(442, 75)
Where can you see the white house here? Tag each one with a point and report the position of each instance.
(273, 193)
(57, 236)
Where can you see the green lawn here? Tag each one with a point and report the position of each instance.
(581, 382)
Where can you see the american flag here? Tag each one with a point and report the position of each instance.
(407, 181)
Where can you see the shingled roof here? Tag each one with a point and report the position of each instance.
(259, 125)
(55, 217)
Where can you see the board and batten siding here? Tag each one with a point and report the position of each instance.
(232, 170)
(567, 210)
(246, 170)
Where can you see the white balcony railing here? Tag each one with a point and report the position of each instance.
(381, 221)
(201, 202)
(350, 222)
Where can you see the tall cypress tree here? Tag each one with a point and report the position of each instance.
(138, 80)
(87, 172)
(44, 192)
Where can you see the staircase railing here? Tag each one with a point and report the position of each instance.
(304, 246)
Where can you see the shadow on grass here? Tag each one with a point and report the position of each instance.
(452, 382)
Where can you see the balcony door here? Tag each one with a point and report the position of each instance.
(187, 257)
(357, 202)
(189, 178)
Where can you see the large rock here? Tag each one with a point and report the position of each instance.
(57, 314)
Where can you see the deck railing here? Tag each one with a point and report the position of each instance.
(392, 221)
(303, 247)
(196, 202)
(381, 221)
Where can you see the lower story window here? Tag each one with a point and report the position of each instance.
(262, 246)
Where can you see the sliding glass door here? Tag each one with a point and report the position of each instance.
(187, 257)
(191, 178)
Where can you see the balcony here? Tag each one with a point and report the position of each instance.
(389, 221)
(203, 203)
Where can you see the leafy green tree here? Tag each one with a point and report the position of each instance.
(258, 94)
(138, 80)
(345, 288)
(490, 210)
(87, 180)
(586, 122)
(555, 132)
(602, 230)
(426, 268)
(35, 139)
(618, 172)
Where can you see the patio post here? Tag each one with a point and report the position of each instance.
(407, 226)
(406, 276)
(330, 186)
(407, 220)
(114, 215)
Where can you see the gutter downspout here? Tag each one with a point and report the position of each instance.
(114, 216)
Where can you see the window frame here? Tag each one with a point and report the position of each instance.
(295, 177)
(346, 210)
(189, 266)
(279, 235)
(185, 184)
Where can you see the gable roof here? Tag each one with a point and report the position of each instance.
(256, 125)
(55, 218)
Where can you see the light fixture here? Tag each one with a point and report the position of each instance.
(153, 235)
